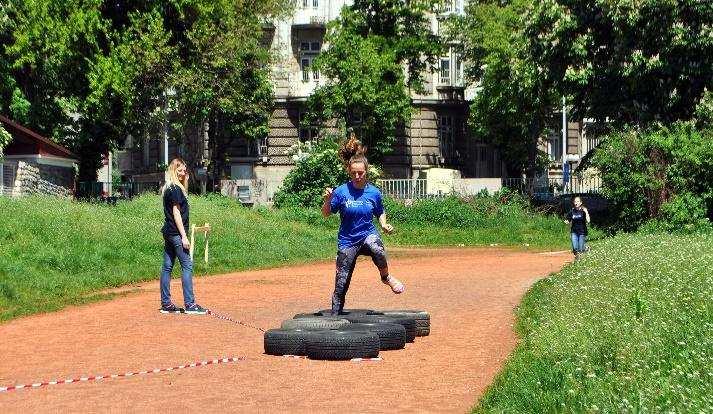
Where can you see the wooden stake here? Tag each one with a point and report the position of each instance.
(206, 230)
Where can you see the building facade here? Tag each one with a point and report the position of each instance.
(436, 136)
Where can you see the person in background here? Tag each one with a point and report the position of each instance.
(578, 217)
(175, 240)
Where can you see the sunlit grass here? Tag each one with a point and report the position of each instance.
(627, 329)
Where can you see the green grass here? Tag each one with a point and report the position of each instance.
(627, 329)
(57, 252)
(480, 221)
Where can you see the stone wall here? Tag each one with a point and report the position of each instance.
(32, 178)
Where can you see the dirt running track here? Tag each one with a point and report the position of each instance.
(470, 293)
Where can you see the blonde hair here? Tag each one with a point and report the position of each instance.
(171, 177)
(352, 151)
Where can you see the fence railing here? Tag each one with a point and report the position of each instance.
(553, 187)
(404, 188)
(98, 190)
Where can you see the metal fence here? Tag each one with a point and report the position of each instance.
(405, 188)
(554, 187)
(105, 191)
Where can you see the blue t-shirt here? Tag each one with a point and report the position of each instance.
(356, 208)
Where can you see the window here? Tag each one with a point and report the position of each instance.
(261, 144)
(446, 136)
(305, 69)
(452, 6)
(445, 71)
(554, 148)
(308, 52)
(241, 171)
(458, 71)
(315, 3)
(307, 132)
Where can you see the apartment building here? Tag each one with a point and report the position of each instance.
(436, 136)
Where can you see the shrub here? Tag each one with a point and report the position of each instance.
(317, 166)
(663, 173)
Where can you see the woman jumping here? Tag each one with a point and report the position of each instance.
(357, 201)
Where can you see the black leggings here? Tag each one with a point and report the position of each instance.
(346, 260)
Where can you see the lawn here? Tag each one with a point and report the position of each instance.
(627, 329)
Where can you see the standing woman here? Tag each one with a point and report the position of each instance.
(175, 241)
(578, 216)
(357, 202)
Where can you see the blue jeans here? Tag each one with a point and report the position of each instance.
(578, 241)
(172, 248)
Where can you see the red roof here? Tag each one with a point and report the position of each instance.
(25, 141)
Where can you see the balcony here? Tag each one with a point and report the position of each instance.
(309, 19)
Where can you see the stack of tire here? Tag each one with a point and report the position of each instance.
(355, 333)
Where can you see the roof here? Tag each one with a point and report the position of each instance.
(50, 147)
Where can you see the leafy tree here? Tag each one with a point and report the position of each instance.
(366, 85)
(514, 102)
(316, 168)
(222, 79)
(89, 72)
(659, 172)
(631, 62)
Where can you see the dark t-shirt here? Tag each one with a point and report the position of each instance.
(578, 220)
(174, 196)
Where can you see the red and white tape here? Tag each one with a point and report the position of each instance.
(229, 319)
(353, 359)
(126, 374)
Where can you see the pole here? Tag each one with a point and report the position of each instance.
(564, 143)
(165, 130)
(564, 132)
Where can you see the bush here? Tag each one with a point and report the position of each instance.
(317, 166)
(463, 213)
(663, 173)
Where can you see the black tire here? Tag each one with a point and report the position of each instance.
(287, 341)
(308, 315)
(328, 312)
(391, 335)
(408, 323)
(317, 322)
(343, 345)
(423, 319)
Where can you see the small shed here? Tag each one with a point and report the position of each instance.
(33, 164)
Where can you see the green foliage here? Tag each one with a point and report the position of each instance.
(366, 86)
(626, 329)
(5, 139)
(704, 111)
(658, 173)
(504, 218)
(514, 102)
(88, 73)
(317, 166)
(633, 62)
